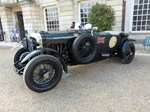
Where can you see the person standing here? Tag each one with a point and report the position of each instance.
(16, 33)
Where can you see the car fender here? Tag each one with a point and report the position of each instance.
(40, 51)
(125, 44)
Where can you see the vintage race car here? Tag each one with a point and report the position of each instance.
(45, 55)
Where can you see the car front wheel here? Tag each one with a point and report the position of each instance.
(19, 54)
(42, 73)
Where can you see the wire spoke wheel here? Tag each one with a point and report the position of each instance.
(42, 73)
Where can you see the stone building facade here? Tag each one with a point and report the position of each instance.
(38, 15)
(137, 18)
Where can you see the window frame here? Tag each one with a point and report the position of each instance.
(84, 2)
(131, 18)
(45, 21)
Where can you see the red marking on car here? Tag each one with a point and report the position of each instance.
(75, 34)
(100, 40)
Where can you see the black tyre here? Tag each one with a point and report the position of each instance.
(84, 49)
(19, 53)
(129, 53)
(42, 73)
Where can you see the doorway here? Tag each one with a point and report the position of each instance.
(1, 31)
(21, 25)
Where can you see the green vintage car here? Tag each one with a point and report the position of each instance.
(45, 55)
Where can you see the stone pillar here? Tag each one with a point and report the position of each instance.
(65, 14)
(7, 22)
(31, 16)
(75, 11)
(128, 16)
(117, 5)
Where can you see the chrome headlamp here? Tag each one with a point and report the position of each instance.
(37, 37)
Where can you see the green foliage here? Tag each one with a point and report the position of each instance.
(102, 16)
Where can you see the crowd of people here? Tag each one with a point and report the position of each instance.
(73, 25)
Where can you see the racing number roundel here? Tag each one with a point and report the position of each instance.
(112, 42)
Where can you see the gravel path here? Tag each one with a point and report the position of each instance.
(104, 86)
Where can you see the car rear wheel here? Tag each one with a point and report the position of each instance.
(129, 53)
(84, 48)
(42, 73)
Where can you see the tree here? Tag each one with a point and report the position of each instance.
(102, 16)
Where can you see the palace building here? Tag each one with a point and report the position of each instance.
(132, 16)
